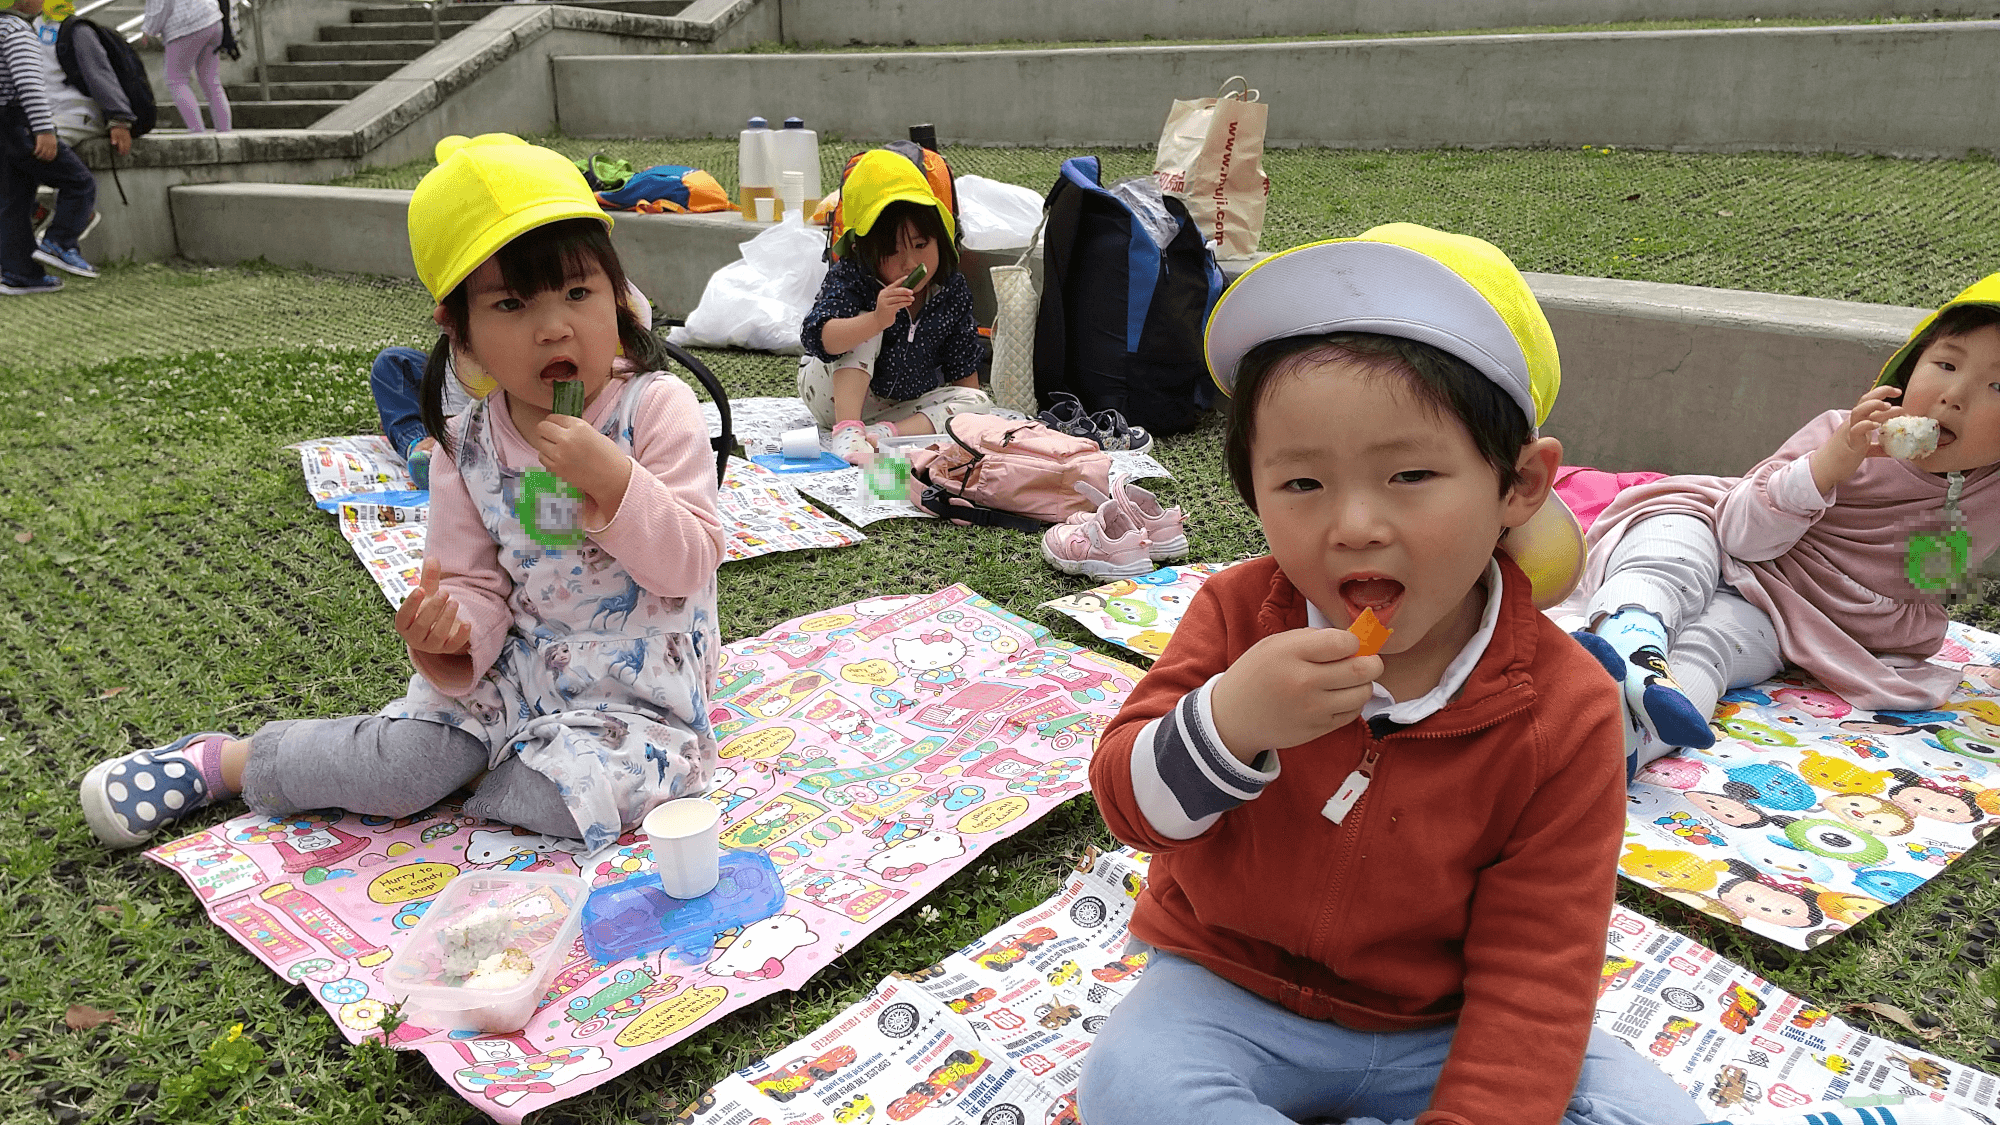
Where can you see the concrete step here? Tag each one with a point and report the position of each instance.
(251, 114)
(379, 51)
(379, 32)
(347, 71)
(296, 91)
(404, 13)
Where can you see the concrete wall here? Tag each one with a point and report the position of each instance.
(1668, 377)
(1682, 379)
(365, 230)
(1921, 90)
(925, 22)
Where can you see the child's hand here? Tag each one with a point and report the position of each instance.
(572, 449)
(1841, 455)
(429, 618)
(1291, 688)
(890, 301)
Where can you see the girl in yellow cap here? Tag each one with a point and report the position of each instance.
(1836, 553)
(887, 355)
(563, 629)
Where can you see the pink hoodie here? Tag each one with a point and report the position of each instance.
(1831, 572)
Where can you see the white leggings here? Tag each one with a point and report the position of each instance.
(1671, 566)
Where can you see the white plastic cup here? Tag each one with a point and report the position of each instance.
(767, 209)
(801, 444)
(687, 852)
(792, 190)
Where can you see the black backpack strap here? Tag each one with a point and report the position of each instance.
(941, 503)
(725, 441)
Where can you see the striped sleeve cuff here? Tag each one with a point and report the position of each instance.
(1182, 775)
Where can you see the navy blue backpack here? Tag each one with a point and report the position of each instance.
(1121, 318)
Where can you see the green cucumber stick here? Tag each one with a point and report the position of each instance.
(569, 397)
(917, 273)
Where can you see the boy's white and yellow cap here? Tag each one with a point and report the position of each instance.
(485, 192)
(1454, 292)
(1896, 372)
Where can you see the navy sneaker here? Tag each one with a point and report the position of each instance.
(128, 798)
(49, 254)
(1066, 415)
(18, 286)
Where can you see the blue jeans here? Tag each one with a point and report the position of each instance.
(76, 196)
(397, 381)
(1188, 1046)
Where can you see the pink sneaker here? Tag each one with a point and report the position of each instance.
(1106, 544)
(1166, 531)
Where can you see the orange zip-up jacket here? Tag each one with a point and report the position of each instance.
(1472, 882)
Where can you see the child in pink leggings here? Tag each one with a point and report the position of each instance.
(194, 32)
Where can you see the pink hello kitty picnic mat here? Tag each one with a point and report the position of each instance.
(870, 750)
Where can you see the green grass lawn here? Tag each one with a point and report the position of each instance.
(162, 571)
(1854, 228)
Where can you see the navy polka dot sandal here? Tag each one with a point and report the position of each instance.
(129, 798)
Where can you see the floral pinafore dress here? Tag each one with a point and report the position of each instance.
(601, 685)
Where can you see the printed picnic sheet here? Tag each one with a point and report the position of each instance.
(1138, 613)
(367, 484)
(996, 1032)
(1805, 817)
(871, 750)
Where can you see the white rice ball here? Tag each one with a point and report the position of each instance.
(1907, 439)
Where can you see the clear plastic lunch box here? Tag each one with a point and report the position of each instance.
(508, 917)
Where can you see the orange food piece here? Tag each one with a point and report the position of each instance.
(1373, 633)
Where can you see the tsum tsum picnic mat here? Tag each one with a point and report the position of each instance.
(870, 750)
(996, 1033)
(383, 516)
(1804, 818)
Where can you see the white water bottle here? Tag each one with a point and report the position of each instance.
(795, 148)
(755, 176)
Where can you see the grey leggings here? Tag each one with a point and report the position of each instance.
(1671, 567)
(393, 767)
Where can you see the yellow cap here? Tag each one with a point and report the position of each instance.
(485, 192)
(880, 177)
(1985, 291)
(1454, 292)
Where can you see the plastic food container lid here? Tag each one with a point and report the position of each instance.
(795, 122)
(482, 956)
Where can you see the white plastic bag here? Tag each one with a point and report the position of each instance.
(760, 301)
(996, 216)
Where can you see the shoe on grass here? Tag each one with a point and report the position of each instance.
(49, 254)
(1107, 544)
(129, 798)
(1066, 415)
(1165, 528)
(21, 286)
(1111, 433)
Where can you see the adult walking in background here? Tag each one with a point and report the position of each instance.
(194, 31)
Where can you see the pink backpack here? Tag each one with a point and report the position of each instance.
(1006, 472)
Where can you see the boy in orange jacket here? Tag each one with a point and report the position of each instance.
(1409, 922)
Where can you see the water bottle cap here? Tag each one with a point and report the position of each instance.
(759, 123)
(795, 122)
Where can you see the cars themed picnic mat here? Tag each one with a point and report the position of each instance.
(383, 515)
(870, 751)
(1805, 817)
(996, 1033)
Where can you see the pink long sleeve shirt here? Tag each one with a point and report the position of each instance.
(1832, 571)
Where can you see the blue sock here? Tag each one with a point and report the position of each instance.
(1640, 746)
(1651, 694)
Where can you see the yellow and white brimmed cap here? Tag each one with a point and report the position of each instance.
(485, 192)
(1896, 372)
(1454, 292)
